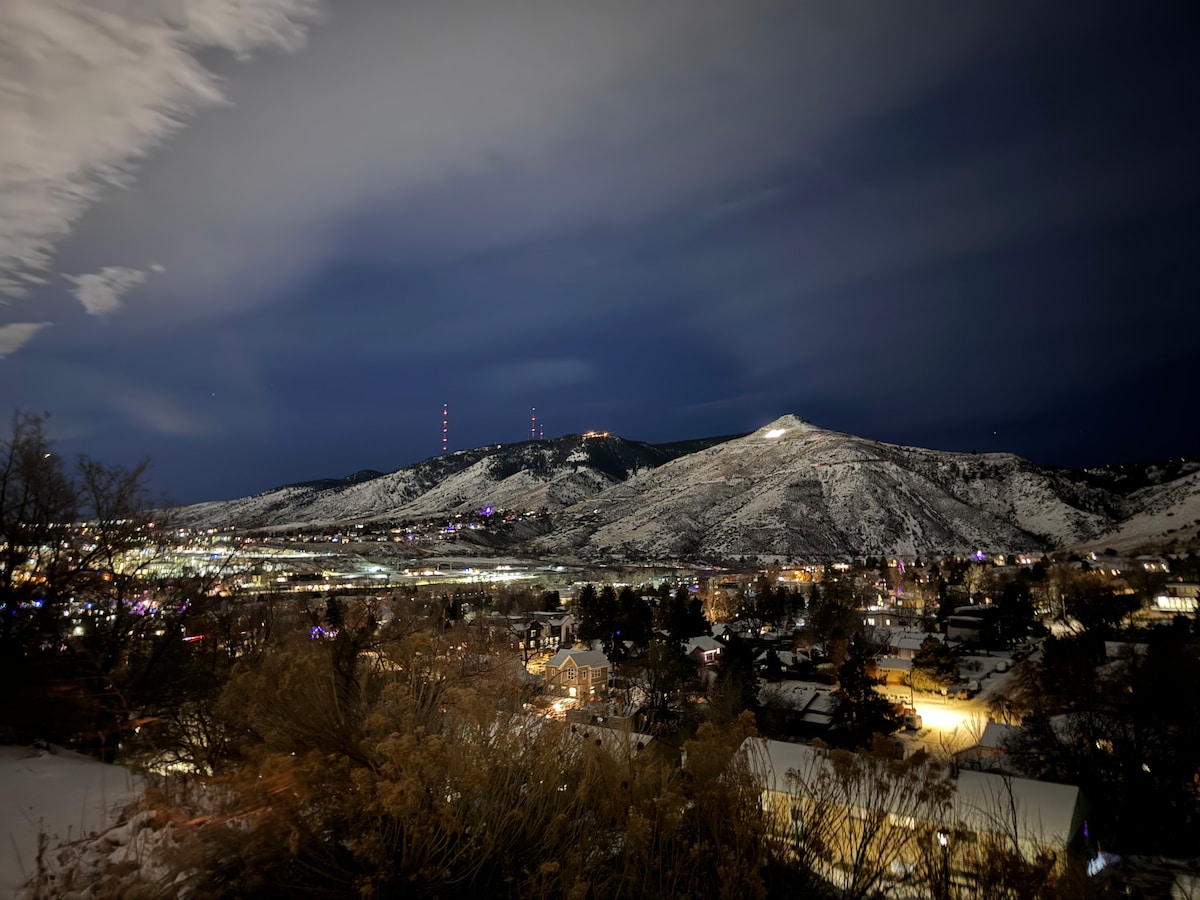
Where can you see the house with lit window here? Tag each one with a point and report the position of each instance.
(704, 650)
(1178, 597)
(901, 813)
(579, 674)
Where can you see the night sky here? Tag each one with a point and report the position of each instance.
(264, 242)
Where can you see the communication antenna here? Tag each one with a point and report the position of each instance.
(533, 424)
(445, 425)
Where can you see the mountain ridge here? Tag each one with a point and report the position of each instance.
(789, 490)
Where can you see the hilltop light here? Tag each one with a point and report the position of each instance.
(775, 432)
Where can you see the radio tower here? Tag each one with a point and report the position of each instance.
(445, 425)
(533, 424)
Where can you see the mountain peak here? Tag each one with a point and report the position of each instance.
(784, 427)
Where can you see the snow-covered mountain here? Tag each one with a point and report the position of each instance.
(793, 490)
(790, 490)
(532, 475)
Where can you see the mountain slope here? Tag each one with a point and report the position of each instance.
(793, 490)
(547, 474)
(790, 490)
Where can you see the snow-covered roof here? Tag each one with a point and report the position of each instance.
(1124, 649)
(910, 643)
(703, 643)
(995, 734)
(614, 740)
(592, 658)
(786, 657)
(1044, 812)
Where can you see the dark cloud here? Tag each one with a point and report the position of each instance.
(933, 222)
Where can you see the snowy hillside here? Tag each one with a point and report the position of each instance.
(793, 490)
(1166, 513)
(790, 490)
(549, 474)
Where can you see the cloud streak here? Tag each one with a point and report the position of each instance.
(14, 337)
(416, 133)
(90, 87)
(101, 292)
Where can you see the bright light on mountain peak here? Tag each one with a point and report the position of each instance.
(775, 432)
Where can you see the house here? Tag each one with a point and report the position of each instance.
(789, 660)
(579, 674)
(703, 650)
(612, 714)
(1178, 597)
(800, 780)
(558, 629)
(797, 708)
(626, 745)
(971, 624)
(890, 670)
(904, 644)
(990, 751)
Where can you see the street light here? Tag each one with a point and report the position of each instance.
(943, 838)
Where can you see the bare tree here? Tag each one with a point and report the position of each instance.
(90, 621)
(858, 820)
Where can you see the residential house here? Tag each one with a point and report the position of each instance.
(558, 629)
(799, 780)
(890, 670)
(904, 644)
(990, 751)
(970, 624)
(1178, 597)
(579, 674)
(704, 650)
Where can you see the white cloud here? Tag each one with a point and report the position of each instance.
(101, 292)
(89, 87)
(416, 131)
(14, 337)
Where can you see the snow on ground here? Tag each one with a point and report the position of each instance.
(64, 795)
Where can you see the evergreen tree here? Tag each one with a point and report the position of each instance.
(862, 712)
(774, 665)
(697, 624)
(589, 615)
(833, 618)
(606, 618)
(736, 687)
(677, 621)
(634, 620)
(934, 666)
(1015, 612)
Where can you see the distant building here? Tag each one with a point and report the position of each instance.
(1178, 597)
(970, 624)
